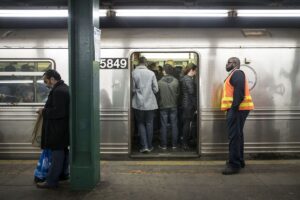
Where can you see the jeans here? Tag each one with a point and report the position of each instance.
(164, 115)
(144, 119)
(59, 166)
(235, 124)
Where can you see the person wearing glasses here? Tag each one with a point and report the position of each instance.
(55, 129)
(237, 102)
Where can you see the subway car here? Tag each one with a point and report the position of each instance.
(270, 59)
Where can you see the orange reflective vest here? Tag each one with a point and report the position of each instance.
(227, 96)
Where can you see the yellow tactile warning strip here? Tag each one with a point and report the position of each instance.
(170, 163)
(18, 161)
(200, 162)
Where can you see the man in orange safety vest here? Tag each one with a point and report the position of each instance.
(236, 100)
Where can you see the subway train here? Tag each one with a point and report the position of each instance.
(269, 57)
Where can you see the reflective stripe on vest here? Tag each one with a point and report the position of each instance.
(227, 96)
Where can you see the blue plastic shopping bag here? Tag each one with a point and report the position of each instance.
(43, 165)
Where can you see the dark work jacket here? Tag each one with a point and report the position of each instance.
(188, 92)
(237, 80)
(55, 130)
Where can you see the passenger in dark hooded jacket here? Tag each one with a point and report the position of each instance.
(168, 102)
(168, 89)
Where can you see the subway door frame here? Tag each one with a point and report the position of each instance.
(131, 119)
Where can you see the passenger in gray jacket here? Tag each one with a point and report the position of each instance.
(144, 86)
(168, 101)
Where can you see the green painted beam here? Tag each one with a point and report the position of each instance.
(84, 85)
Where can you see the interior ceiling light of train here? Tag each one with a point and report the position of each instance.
(158, 13)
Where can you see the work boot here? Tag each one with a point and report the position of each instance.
(230, 170)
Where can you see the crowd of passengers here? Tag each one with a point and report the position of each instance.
(168, 94)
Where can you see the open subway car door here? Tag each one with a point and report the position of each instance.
(165, 141)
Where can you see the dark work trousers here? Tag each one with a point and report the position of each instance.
(235, 125)
(59, 166)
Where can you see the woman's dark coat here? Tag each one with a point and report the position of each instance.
(55, 130)
(189, 93)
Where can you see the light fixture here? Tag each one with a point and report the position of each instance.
(170, 13)
(156, 13)
(268, 13)
(33, 13)
(102, 13)
(40, 13)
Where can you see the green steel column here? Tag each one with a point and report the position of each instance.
(84, 84)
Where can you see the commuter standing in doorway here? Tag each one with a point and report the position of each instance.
(189, 102)
(236, 100)
(55, 129)
(144, 87)
(168, 102)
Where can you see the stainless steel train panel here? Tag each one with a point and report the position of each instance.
(34, 39)
(114, 132)
(15, 133)
(114, 106)
(271, 127)
(272, 64)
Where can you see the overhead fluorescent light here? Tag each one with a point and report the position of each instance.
(155, 13)
(268, 13)
(41, 13)
(102, 13)
(170, 13)
(33, 13)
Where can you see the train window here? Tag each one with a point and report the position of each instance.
(21, 81)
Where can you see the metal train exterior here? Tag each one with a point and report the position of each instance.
(271, 62)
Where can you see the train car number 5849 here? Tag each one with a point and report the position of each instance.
(114, 63)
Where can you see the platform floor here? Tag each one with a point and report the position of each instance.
(163, 180)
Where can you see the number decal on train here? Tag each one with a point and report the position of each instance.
(114, 63)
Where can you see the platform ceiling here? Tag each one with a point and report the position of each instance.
(113, 22)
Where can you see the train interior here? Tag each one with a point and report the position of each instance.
(156, 61)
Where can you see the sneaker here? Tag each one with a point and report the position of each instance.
(150, 149)
(45, 185)
(39, 180)
(162, 147)
(144, 150)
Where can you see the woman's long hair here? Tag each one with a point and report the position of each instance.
(189, 67)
